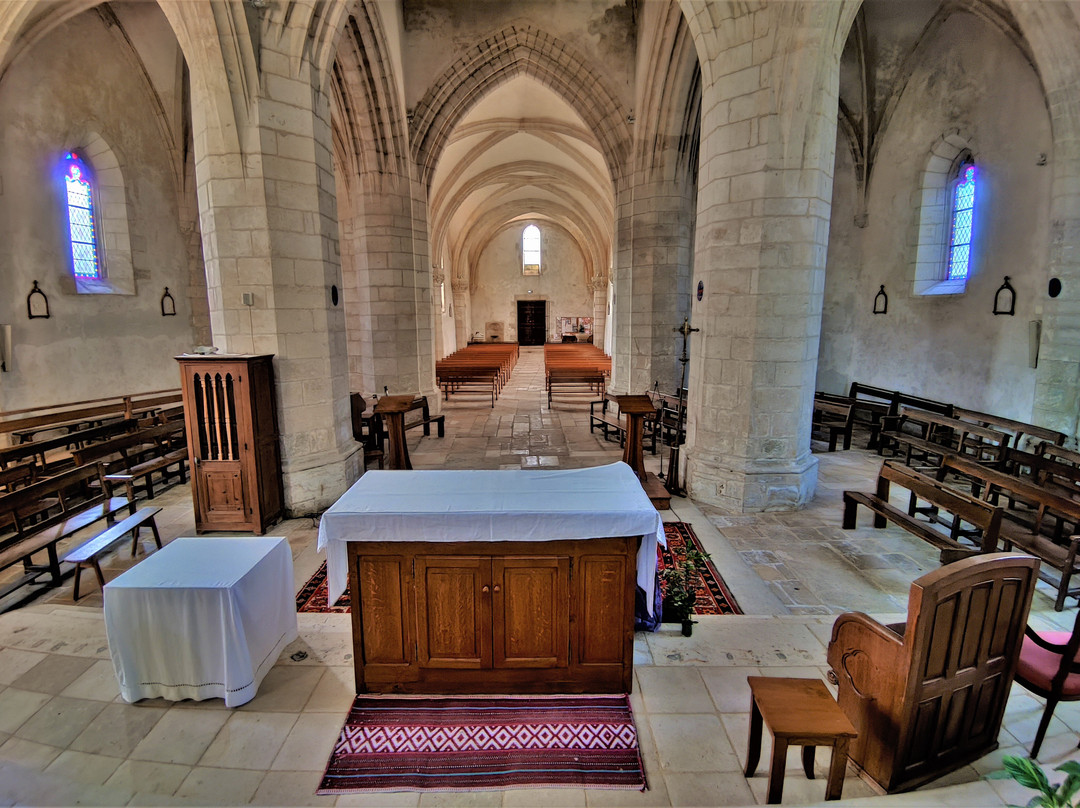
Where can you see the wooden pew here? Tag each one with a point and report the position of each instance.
(82, 498)
(934, 436)
(1026, 530)
(1017, 430)
(25, 423)
(482, 367)
(139, 455)
(983, 516)
(53, 454)
(604, 415)
(871, 404)
(837, 418)
(575, 369)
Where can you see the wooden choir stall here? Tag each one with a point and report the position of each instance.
(493, 581)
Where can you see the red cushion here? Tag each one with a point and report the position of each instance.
(1038, 665)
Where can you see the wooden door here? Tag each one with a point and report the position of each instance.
(530, 604)
(532, 322)
(217, 428)
(453, 611)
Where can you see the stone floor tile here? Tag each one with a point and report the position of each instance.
(249, 740)
(708, 788)
(118, 729)
(728, 687)
(16, 706)
(544, 798)
(53, 673)
(285, 688)
(148, 777)
(211, 786)
(81, 767)
(181, 736)
(60, 720)
(14, 663)
(98, 682)
(673, 690)
(28, 754)
(692, 743)
(308, 745)
(291, 788)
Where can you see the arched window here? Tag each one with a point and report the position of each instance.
(963, 207)
(530, 250)
(85, 253)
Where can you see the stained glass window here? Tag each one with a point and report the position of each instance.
(530, 250)
(81, 226)
(962, 209)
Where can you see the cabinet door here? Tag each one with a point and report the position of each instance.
(605, 609)
(530, 611)
(221, 503)
(453, 611)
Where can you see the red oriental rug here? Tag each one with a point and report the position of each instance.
(714, 597)
(391, 743)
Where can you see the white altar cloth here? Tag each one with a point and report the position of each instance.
(201, 618)
(482, 505)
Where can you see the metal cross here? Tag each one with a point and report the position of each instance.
(686, 331)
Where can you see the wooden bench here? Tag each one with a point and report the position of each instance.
(90, 552)
(935, 436)
(575, 369)
(82, 497)
(983, 516)
(568, 380)
(1017, 430)
(478, 367)
(426, 419)
(25, 423)
(54, 453)
(139, 455)
(1026, 529)
(871, 404)
(835, 418)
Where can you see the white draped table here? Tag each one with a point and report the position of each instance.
(483, 505)
(201, 618)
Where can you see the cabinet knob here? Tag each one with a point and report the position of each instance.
(496, 587)
(484, 588)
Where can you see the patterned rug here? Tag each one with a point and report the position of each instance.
(713, 595)
(467, 744)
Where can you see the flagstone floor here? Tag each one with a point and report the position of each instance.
(67, 738)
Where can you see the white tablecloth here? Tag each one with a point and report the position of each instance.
(201, 618)
(480, 505)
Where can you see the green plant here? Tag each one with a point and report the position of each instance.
(1030, 774)
(679, 593)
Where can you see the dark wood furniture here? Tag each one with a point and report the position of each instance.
(927, 437)
(24, 424)
(493, 617)
(35, 518)
(612, 426)
(1049, 667)
(479, 367)
(575, 369)
(636, 409)
(835, 418)
(1017, 430)
(89, 553)
(1036, 529)
(798, 712)
(392, 410)
(984, 517)
(233, 445)
(928, 696)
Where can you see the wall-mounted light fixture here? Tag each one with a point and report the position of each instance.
(881, 301)
(5, 348)
(168, 304)
(247, 298)
(1005, 299)
(37, 305)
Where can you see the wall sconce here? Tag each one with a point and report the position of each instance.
(168, 305)
(37, 305)
(881, 301)
(1005, 299)
(5, 348)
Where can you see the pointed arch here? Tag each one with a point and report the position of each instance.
(519, 49)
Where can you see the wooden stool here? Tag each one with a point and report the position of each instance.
(800, 712)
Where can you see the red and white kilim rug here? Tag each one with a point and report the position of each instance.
(391, 743)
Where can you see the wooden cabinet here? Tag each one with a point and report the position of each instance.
(498, 617)
(232, 436)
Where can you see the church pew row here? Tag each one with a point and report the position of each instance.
(482, 367)
(575, 369)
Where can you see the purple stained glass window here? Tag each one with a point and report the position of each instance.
(962, 209)
(81, 227)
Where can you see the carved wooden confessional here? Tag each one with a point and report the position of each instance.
(232, 435)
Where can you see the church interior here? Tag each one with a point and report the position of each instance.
(749, 206)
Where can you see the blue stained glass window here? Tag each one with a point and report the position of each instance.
(80, 207)
(960, 237)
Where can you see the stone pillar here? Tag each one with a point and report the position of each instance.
(459, 288)
(599, 288)
(269, 230)
(769, 101)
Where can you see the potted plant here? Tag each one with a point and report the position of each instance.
(679, 592)
(1029, 773)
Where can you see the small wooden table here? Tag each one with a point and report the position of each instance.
(635, 408)
(393, 409)
(800, 712)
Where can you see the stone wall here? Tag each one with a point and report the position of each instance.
(75, 84)
(946, 347)
(500, 283)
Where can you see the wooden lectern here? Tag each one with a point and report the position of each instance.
(635, 408)
(392, 409)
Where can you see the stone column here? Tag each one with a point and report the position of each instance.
(269, 231)
(599, 288)
(769, 101)
(459, 288)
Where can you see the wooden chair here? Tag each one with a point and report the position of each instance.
(1049, 667)
(928, 696)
